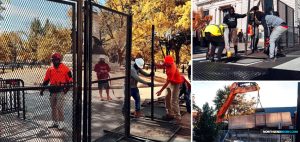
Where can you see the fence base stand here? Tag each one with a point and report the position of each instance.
(154, 125)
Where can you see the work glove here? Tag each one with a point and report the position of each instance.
(150, 84)
(67, 88)
(267, 42)
(42, 93)
(152, 74)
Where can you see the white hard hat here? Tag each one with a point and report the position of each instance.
(139, 62)
(101, 56)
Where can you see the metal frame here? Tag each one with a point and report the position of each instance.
(286, 20)
(87, 74)
(17, 108)
(88, 68)
(77, 62)
(152, 71)
(77, 52)
(298, 115)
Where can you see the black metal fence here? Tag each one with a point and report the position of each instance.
(31, 32)
(30, 44)
(110, 41)
(291, 38)
(12, 101)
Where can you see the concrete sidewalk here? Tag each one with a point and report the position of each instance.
(289, 62)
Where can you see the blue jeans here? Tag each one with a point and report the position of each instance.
(135, 93)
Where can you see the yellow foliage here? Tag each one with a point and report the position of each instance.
(199, 20)
(165, 15)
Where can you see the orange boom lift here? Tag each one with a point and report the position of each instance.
(236, 88)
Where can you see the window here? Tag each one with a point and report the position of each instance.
(206, 12)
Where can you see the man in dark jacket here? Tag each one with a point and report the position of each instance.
(254, 24)
(231, 21)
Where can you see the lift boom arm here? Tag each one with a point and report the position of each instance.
(236, 88)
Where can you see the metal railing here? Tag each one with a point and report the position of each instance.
(12, 101)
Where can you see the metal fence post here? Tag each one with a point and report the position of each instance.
(89, 91)
(127, 82)
(298, 116)
(247, 22)
(152, 71)
(299, 34)
(86, 72)
(77, 106)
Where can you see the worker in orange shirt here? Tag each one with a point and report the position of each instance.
(57, 75)
(173, 83)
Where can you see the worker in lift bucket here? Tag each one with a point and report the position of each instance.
(217, 36)
(136, 70)
(173, 83)
(57, 75)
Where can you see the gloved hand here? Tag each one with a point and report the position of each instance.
(42, 93)
(150, 84)
(152, 74)
(267, 42)
(66, 90)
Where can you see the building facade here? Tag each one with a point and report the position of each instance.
(218, 9)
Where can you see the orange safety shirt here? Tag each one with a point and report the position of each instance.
(58, 76)
(173, 74)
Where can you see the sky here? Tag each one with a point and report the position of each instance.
(19, 14)
(272, 93)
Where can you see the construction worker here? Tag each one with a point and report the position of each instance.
(102, 70)
(279, 28)
(185, 90)
(254, 34)
(57, 75)
(231, 21)
(173, 83)
(136, 69)
(216, 35)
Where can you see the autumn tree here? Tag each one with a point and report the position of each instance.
(54, 40)
(35, 33)
(37, 45)
(12, 46)
(169, 18)
(200, 20)
(109, 34)
(205, 129)
(239, 106)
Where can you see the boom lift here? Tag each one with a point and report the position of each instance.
(236, 88)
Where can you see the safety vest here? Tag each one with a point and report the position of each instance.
(58, 76)
(215, 30)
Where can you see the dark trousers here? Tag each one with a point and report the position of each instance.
(216, 42)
